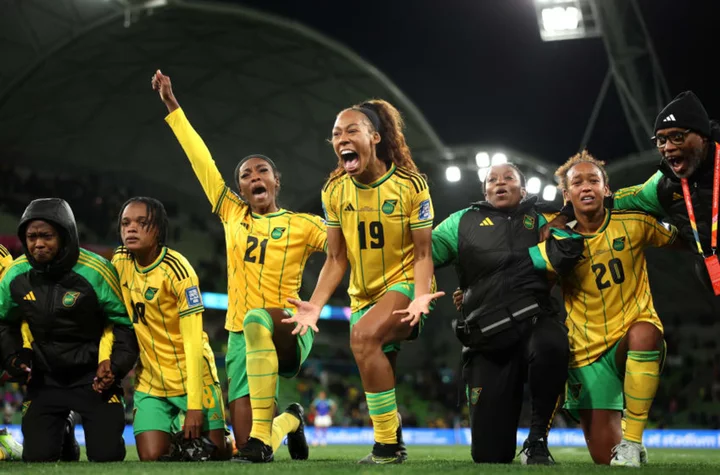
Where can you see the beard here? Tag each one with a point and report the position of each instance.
(694, 159)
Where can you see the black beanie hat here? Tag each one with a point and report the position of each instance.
(685, 111)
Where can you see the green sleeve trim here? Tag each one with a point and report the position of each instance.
(541, 220)
(7, 303)
(192, 311)
(538, 261)
(216, 210)
(641, 197)
(445, 239)
(104, 280)
(422, 225)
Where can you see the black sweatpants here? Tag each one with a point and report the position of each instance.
(46, 409)
(495, 389)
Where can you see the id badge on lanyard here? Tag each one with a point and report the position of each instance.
(711, 262)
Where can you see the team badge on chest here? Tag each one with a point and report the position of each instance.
(70, 298)
(389, 206)
(619, 243)
(529, 222)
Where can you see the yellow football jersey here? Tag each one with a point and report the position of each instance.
(376, 221)
(5, 260)
(266, 254)
(157, 297)
(609, 290)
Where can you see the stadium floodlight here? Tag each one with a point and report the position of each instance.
(499, 158)
(549, 192)
(482, 174)
(560, 18)
(533, 185)
(566, 19)
(482, 159)
(452, 173)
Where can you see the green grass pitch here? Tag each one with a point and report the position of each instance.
(423, 460)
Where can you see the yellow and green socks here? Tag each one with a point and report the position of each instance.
(283, 425)
(383, 412)
(262, 373)
(642, 377)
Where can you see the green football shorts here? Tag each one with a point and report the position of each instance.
(408, 290)
(236, 357)
(166, 414)
(598, 385)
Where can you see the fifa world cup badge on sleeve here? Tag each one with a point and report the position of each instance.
(713, 267)
(192, 294)
(424, 213)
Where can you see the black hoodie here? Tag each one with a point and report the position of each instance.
(67, 304)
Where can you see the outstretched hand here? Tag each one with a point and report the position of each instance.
(162, 84)
(419, 306)
(306, 316)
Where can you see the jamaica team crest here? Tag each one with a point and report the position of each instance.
(150, 293)
(619, 243)
(70, 298)
(389, 206)
(529, 222)
(475, 395)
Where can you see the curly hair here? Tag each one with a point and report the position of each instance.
(392, 148)
(582, 157)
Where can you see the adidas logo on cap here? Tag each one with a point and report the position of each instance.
(670, 118)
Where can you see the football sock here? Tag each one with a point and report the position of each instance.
(262, 372)
(383, 412)
(642, 377)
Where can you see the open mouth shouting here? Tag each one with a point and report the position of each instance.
(351, 162)
(259, 192)
(677, 163)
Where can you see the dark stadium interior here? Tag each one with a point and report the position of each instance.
(79, 121)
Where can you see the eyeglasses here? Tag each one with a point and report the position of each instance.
(676, 138)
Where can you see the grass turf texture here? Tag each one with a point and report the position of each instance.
(423, 460)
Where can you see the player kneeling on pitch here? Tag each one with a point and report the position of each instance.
(616, 337)
(176, 375)
(79, 334)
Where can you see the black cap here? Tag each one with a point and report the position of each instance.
(685, 111)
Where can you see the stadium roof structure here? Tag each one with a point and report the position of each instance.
(75, 90)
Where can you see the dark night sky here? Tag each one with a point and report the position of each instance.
(480, 73)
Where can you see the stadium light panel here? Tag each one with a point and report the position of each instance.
(482, 159)
(499, 158)
(482, 173)
(452, 173)
(533, 185)
(560, 18)
(549, 192)
(567, 19)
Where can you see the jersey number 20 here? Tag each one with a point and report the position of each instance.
(616, 272)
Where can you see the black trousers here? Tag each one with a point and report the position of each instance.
(495, 383)
(46, 409)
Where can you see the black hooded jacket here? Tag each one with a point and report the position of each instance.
(67, 305)
(670, 197)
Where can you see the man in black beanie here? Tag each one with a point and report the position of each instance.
(686, 140)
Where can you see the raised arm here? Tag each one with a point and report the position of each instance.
(197, 152)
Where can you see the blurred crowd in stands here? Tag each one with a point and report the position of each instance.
(689, 394)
